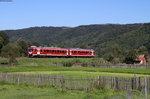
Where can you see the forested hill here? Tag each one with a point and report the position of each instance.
(99, 37)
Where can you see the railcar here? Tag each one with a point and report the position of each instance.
(34, 51)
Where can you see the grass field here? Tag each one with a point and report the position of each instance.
(77, 71)
(11, 91)
(40, 61)
(43, 66)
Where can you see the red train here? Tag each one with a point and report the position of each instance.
(34, 51)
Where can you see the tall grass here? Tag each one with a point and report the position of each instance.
(12, 91)
(49, 61)
(61, 68)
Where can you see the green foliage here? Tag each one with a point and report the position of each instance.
(68, 63)
(3, 39)
(84, 64)
(1, 42)
(12, 91)
(113, 42)
(142, 50)
(99, 37)
(115, 54)
(23, 47)
(10, 51)
(130, 56)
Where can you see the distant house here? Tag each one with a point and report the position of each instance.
(141, 58)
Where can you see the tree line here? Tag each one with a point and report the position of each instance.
(115, 53)
(12, 50)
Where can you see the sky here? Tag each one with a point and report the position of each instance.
(18, 14)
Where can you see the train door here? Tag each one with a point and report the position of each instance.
(68, 52)
(38, 51)
(92, 53)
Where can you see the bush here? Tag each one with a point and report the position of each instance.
(10, 51)
(68, 63)
(77, 61)
(85, 64)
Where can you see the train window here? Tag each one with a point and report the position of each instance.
(44, 50)
(40, 50)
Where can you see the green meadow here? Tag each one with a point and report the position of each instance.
(45, 66)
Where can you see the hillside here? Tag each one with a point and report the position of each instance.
(99, 37)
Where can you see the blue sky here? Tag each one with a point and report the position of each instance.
(29, 13)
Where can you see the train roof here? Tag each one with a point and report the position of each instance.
(47, 47)
(79, 49)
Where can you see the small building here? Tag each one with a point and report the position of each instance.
(141, 58)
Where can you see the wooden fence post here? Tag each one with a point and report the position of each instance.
(62, 82)
(129, 94)
(145, 88)
(18, 80)
(38, 82)
(117, 83)
(135, 82)
(5, 77)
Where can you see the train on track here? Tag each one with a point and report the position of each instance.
(34, 51)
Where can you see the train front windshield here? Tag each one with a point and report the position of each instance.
(30, 50)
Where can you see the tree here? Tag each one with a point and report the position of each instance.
(1, 42)
(35, 44)
(10, 51)
(3, 39)
(84, 46)
(23, 47)
(143, 50)
(130, 57)
(114, 54)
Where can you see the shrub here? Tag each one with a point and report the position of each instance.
(68, 63)
(77, 61)
(85, 64)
